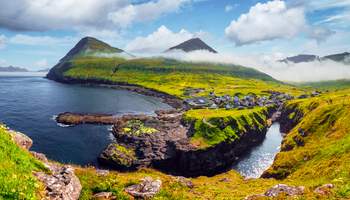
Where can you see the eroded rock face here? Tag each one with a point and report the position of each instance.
(62, 184)
(163, 142)
(147, 189)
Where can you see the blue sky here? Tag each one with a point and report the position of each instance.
(37, 33)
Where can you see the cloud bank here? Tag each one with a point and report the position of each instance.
(42, 15)
(303, 72)
(160, 40)
(273, 20)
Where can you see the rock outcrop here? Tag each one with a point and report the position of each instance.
(167, 146)
(147, 189)
(60, 183)
(21, 140)
(279, 190)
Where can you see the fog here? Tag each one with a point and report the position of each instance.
(303, 72)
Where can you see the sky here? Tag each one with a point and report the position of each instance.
(36, 33)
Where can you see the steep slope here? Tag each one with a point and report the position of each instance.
(342, 57)
(165, 75)
(192, 45)
(86, 47)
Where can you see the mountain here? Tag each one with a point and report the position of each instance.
(192, 45)
(342, 57)
(301, 59)
(86, 47)
(90, 46)
(12, 69)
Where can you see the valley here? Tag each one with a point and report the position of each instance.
(218, 114)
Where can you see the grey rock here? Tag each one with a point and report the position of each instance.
(148, 188)
(282, 188)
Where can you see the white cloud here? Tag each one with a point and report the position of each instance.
(267, 21)
(303, 72)
(41, 64)
(23, 39)
(160, 40)
(145, 12)
(320, 34)
(65, 14)
(2, 41)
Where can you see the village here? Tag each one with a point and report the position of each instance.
(212, 101)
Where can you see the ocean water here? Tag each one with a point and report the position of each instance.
(29, 102)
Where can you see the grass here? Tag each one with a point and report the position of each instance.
(16, 168)
(325, 155)
(204, 187)
(212, 127)
(137, 128)
(174, 77)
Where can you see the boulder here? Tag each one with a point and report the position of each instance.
(101, 172)
(147, 189)
(284, 189)
(324, 189)
(40, 156)
(184, 181)
(21, 140)
(104, 196)
(61, 184)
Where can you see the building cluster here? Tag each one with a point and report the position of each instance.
(235, 102)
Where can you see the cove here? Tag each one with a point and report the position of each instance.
(262, 156)
(28, 104)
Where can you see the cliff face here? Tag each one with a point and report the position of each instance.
(165, 143)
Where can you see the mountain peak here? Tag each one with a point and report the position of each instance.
(88, 45)
(193, 45)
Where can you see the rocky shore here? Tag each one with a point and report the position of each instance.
(164, 142)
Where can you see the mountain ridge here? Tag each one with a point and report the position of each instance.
(13, 69)
(304, 58)
(192, 45)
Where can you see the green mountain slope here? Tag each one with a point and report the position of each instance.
(166, 75)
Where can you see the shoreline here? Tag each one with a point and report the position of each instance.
(171, 100)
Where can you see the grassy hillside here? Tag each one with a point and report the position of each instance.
(16, 167)
(211, 127)
(324, 154)
(174, 77)
(329, 85)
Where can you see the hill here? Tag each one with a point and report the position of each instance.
(12, 69)
(165, 75)
(301, 58)
(342, 57)
(304, 58)
(89, 46)
(192, 45)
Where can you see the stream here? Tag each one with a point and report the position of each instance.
(261, 157)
